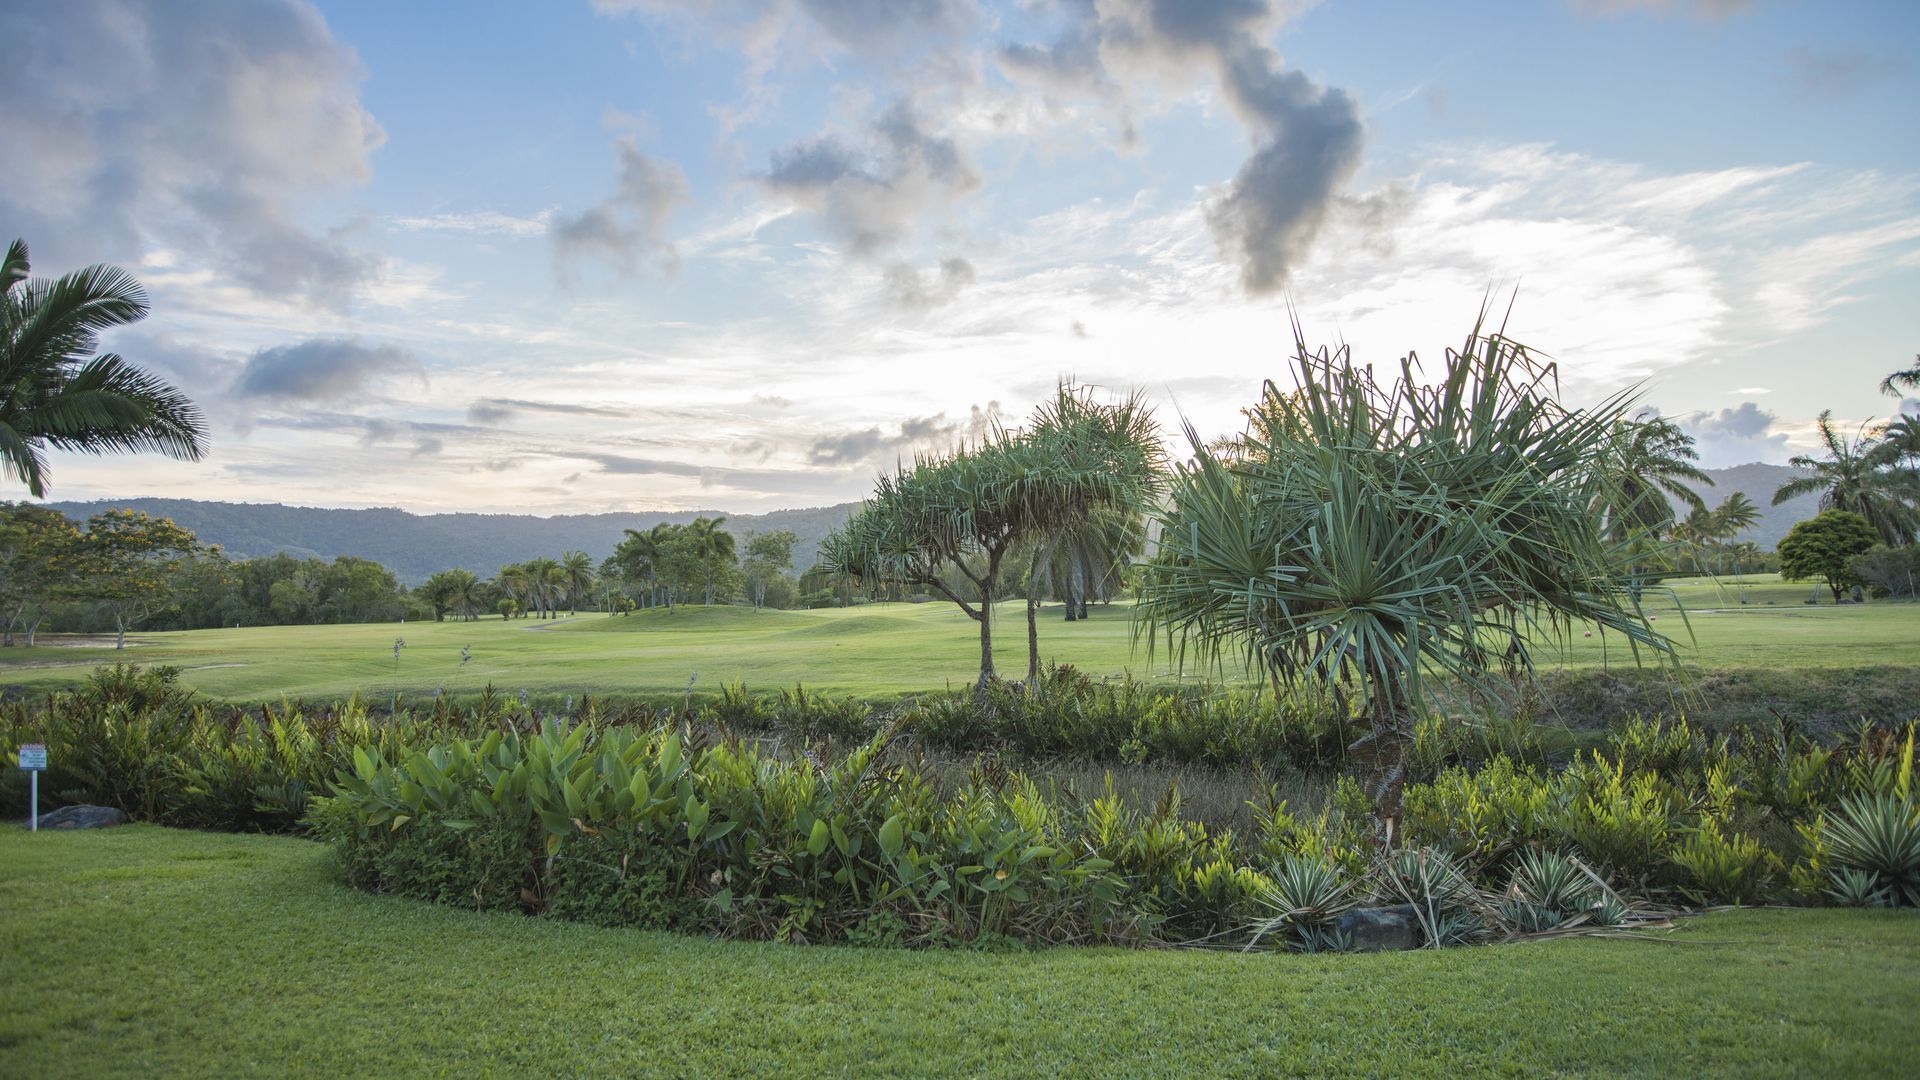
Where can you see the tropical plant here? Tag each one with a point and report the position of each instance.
(713, 547)
(576, 569)
(1648, 462)
(40, 559)
(54, 392)
(1879, 834)
(1855, 476)
(1375, 532)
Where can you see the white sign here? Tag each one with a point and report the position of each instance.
(33, 756)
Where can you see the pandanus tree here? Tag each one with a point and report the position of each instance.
(1376, 536)
(1856, 476)
(966, 512)
(55, 393)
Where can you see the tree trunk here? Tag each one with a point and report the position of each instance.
(119, 632)
(1033, 636)
(33, 630)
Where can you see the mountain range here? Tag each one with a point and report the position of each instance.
(416, 545)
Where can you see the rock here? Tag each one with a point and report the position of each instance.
(1380, 929)
(80, 817)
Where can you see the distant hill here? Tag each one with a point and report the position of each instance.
(1760, 481)
(416, 545)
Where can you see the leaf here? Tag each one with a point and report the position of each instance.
(821, 836)
(890, 838)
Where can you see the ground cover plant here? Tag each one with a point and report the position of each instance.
(247, 950)
(639, 819)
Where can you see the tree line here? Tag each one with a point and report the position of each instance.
(121, 570)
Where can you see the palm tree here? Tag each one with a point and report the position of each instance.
(1900, 441)
(1910, 378)
(1377, 536)
(1649, 459)
(1855, 476)
(465, 593)
(714, 547)
(577, 569)
(55, 393)
(515, 584)
(1735, 515)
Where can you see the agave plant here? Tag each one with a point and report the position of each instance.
(1879, 834)
(1306, 896)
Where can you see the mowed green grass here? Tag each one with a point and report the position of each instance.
(876, 650)
(153, 952)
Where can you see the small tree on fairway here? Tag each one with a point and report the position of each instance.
(1823, 548)
(769, 554)
(1370, 534)
(130, 562)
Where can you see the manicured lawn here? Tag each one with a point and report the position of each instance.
(875, 650)
(150, 951)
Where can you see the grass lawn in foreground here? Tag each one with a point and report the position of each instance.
(149, 951)
(875, 650)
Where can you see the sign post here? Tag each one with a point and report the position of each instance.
(33, 759)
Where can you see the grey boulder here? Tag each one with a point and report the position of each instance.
(1380, 929)
(80, 817)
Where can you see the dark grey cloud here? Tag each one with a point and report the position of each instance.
(203, 129)
(763, 481)
(1735, 436)
(323, 370)
(428, 447)
(1831, 74)
(628, 226)
(1307, 138)
(872, 196)
(910, 288)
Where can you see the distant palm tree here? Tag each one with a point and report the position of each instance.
(1854, 476)
(1649, 459)
(465, 593)
(577, 568)
(55, 393)
(545, 583)
(714, 547)
(516, 585)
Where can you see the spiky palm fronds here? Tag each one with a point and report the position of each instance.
(54, 392)
(1373, 533)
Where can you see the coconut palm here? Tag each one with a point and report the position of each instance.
(1735, 515)
(516, 585)
(54, 392)
(1855, 476)
(576, 568)
(1376, 533)
(1649, 458)
(714, 547)
(1900, 441)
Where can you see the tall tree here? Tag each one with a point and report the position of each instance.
(769, 555)
(1648, 458)
(1855, 476)
(713, 547)
(39, 553)
(577, 569)
(1375, 534)
(130, 562)
(54, 392)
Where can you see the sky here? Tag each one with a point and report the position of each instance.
(597, 255)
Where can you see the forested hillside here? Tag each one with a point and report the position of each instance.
(416, 545)
(1760, 481)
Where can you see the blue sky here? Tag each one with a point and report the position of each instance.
(742, 254)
